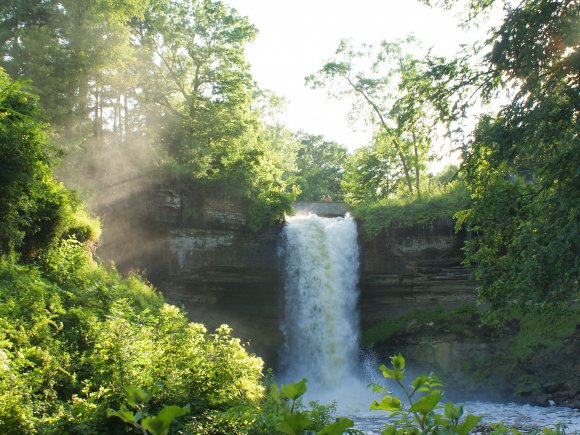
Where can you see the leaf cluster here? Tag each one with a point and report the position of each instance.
(418, 415)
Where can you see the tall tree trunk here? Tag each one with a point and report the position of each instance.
(417, 173)
(386, 127)
(126, 115)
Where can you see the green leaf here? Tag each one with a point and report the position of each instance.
(398, 362)
(338, 427)
(449, 410)
(392, 374)
(427, 404)
(275, 393)
(388, 403)
(377, 388)
(155, 426)
(124, 414)
(419, 381)
(293, 424)
(136, 396)
(294, 391)
(389, 430)
(159, 425)
(469, 423)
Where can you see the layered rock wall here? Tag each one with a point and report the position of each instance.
(196, 247)
(412, 268)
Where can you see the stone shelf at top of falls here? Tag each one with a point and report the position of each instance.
(321, 208)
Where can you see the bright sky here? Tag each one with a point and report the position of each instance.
(296, 37)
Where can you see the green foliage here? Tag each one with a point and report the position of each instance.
(372, 173)
(282, 412)
(419, 415)
(141, 420)
(320, 166)
(501, 429)
(521, 167)
(396, 91)
(440, 202)
(455, 320)
(74, 336)
(35, 210)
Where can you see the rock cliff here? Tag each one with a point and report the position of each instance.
(196, 247)
(412, 268)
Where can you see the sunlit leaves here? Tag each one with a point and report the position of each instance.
(419, 412)
(387, 403)
(294, 391)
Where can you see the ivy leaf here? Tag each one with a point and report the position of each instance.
(294, 391)
(293, 424)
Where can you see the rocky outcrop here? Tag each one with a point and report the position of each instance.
(411, 268)
(475, 361)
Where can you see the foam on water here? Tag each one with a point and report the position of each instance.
(523, 417)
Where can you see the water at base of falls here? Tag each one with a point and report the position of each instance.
(523, 417)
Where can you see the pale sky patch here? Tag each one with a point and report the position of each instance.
(296, 37)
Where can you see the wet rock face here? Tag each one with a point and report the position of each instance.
(412, 268)
(218, 269)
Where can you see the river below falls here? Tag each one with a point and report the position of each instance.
(523, 417)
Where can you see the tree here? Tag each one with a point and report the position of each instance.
(395, 88)
(320, 168)
(35, 210)
(372, 173)
(521, 167)
(74, 53)
(199, 77)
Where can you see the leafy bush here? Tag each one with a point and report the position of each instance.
(418, 415)
(282, 412)
(69, 346)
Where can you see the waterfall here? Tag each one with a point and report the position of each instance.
(320, 323)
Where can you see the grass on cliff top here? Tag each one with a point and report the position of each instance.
(404, 212)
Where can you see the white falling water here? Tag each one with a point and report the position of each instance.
(321, 324)
(321, 329)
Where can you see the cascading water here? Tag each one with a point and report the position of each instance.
(321, 324)
(321, 328)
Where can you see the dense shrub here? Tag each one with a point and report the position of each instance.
(68, 346)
